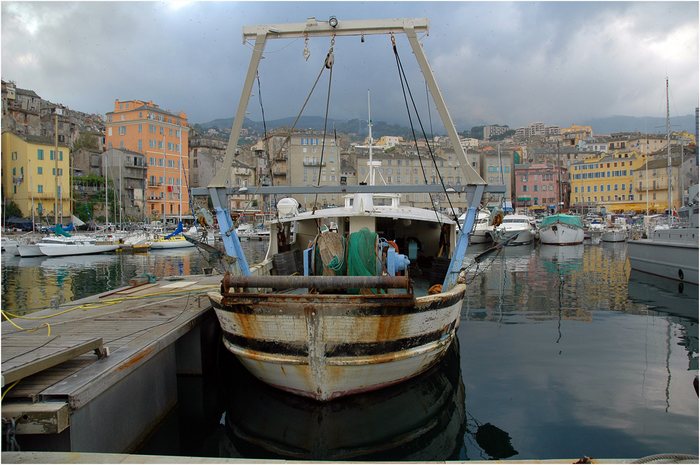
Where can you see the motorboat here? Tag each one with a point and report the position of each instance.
(561, 229)
(515, 229)
(482, 226)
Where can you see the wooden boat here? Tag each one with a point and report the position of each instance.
(561, 229)
(333, 310)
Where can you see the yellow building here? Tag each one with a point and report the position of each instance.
(605, 181)
(574, 133)
(651, 182)
(32, 174)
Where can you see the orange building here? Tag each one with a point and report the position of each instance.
(162, 137)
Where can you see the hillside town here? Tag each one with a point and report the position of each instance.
(58, 162)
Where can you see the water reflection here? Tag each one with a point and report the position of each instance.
(423, 419)
(31, 284)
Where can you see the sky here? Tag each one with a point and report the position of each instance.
(495, 62)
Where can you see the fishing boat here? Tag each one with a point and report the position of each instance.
(334, 311)
(561, 229)
(515, 229)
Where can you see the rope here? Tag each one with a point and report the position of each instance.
(402, 74)
(328, 64)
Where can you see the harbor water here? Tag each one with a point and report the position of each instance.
(562, 352)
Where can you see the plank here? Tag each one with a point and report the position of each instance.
(12, 373)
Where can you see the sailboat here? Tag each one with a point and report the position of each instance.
(670, 252)
(334, 311)
(561, 228)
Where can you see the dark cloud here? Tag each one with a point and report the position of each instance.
(508, 63)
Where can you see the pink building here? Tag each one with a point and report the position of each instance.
(537, 184)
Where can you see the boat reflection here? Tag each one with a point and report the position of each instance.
(422, 419)
(561, 259)
(664, 295)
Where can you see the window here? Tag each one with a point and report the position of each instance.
(122, 130)
(140, 127)
(40, 154)
(140, 146)
(51, 155)
(60, 155)
(40, 170)
(40, 189)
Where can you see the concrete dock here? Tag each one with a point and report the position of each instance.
(98, 374)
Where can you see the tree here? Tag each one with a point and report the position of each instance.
(12, 209)
(86, 141)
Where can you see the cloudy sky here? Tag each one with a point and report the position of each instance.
(495, 62)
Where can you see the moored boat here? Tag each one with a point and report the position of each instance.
(483, 224)
(515, 229)
(614, 233)
(332, 310)
(561, 229)
(58, 246)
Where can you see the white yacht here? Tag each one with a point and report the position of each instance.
(57, 246)
(482, 226)
(515, 229)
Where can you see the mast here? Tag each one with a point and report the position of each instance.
(106, 192)
(646, 173)
(559, 202)
(371, 141)
(165, 179)
(55, 158)
(179, 187)
(121, 161)
(668, 151)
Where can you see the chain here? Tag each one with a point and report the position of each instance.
(307, 53)
(11, 436)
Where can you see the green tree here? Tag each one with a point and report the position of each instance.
(86, 141)
(12, 209)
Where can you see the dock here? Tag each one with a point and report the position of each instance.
(99, 373)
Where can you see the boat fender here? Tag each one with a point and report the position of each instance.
(498, 219)
(554, 228)
(435, 289)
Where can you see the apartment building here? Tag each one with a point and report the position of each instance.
(651, 182)
(162, 137)
(541, 185)
(35, 176)
(605, 182)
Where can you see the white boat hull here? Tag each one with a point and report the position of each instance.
(513, 237)
(671, 253)
(171, 244)
(617, 235)
(561, 234)
(63, 250)
(29, 250)
(326, 346)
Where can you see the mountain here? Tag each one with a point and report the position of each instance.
(353, 127)
(644, 124)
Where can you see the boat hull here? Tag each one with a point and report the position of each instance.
(326, 346)
(614, 236)
(61, 250)
(171, 244)
(664, 256)
(561, 234)
(29, 250)
(513, 237)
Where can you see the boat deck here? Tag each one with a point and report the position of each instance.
(73, 353)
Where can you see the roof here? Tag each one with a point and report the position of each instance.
(659, 163)
(28, 92)
(127, 152)
(43, 140)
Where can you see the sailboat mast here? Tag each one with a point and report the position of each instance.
(165, 179)
(179, 187)
(668, 151)
(106, 192)
(120, 192)
(559, 202)
(371, 141)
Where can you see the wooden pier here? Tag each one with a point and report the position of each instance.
(99, 373)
